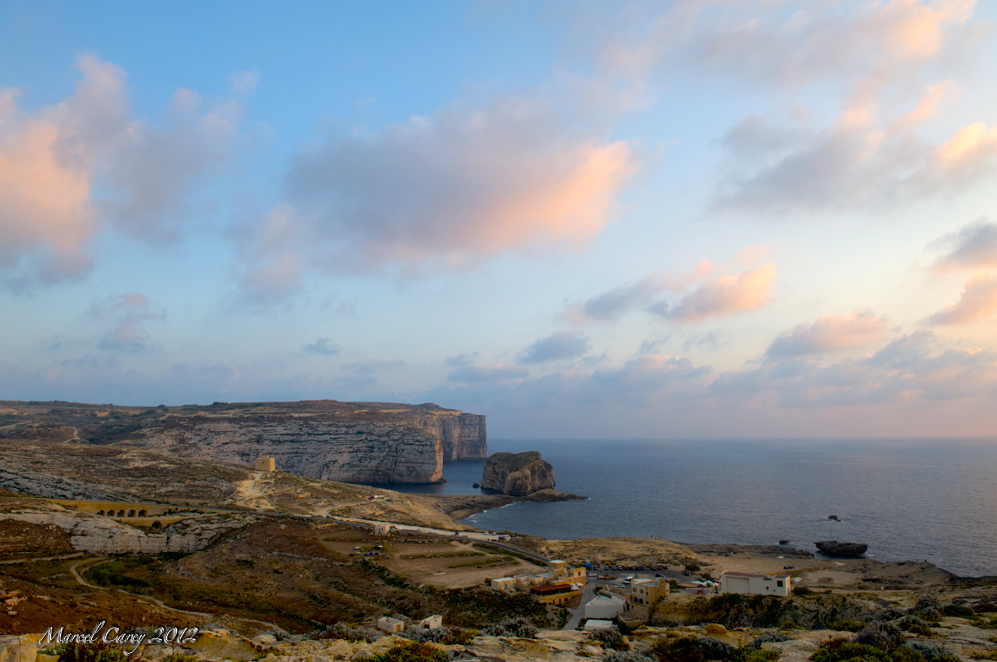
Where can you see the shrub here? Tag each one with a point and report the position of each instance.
(887, 614)
(627, 656)
(177, 657)
(961, 611)
(611, 638)
(693, 567)
(512, 627)
(847, 625)
(931, 651)
(760, 655)
(839, 650)
(446, 635)
(789, 625)
(714, 649)
(801, 590)
(886, 636)
(349, 633)
(413, 651)
(95, 652)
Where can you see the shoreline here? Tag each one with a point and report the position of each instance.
(462, 506)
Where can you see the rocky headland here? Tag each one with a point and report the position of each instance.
(517, 474)
(355, 442)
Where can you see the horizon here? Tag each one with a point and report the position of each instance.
(731, 221)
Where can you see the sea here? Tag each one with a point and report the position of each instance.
(923, 499)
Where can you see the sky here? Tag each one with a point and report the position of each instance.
(695, 219)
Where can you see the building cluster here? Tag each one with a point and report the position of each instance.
(556, 586)
(393, 625)
(636, 603)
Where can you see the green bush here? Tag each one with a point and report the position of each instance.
(801, 590)
(847, 625)
(759, 655)
(611, 638)
(961, 611)
(413, 651)
(95, 652)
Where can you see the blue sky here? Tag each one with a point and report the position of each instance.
(687, 219)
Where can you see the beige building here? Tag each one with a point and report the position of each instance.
(431, 622)
(390, 625)
(644, 595)
(504, 583)
(265, 463)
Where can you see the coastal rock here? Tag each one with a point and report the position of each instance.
(517, 474)
(841, 550)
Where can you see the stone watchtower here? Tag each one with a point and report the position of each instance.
(264, 463)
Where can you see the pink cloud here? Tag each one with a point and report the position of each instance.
(52, 159)
(977, 303)
(447, 190)
(830, 333)
(727, 295)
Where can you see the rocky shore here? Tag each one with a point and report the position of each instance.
(462, 506)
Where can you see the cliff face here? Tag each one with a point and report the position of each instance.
(517, 474)
(361, 442)
(462, 436)
(330, 448)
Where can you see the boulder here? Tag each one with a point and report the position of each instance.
(841, 550)
(517, 474)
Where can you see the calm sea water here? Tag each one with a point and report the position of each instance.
(908, 500)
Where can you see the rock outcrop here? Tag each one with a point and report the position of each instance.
(841, 550)
(357, 442)
(517, 474)
(94, 534)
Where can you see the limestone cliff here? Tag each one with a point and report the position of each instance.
(462, 436)
(517, 474)
(360, 442)
(325, 447)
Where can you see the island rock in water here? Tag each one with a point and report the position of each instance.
(517, 474)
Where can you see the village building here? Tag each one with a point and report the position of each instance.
(504, 583)
(644, 595)
(555, 594)
(264, 463)
(597, 624)
(431, 622)
(750, 584)
(606, 605)
(390, 625)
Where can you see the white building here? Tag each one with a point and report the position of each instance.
(750, 584)
(431, 622)
(604, 606)
(597, 624)
(390, 625)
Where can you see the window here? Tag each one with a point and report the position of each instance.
(779, 583)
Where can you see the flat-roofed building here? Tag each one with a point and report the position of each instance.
(606, 605)
(390, 625)
(554, 594)
(747, 583)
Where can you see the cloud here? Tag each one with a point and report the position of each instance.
(617, 302)
(853, 164)
(915, 368)
(129, 312)
(449, 190)
(486, 373)
(558, 346)
(769, 43)
(974, 246)
(829, 333)
(322, 347)
(727, 295)
(54, 161)
(977, 303)
(372, 366)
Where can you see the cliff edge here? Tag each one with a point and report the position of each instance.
(517, 474)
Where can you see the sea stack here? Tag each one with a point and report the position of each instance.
(517, 474)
